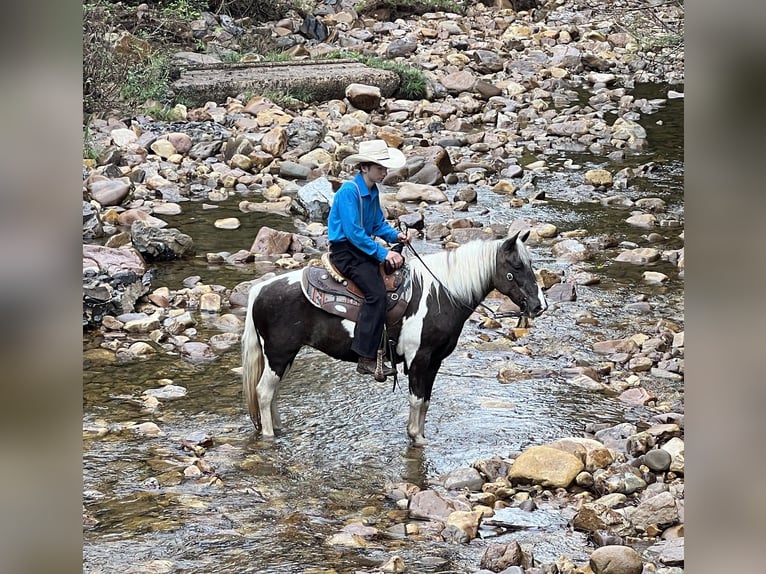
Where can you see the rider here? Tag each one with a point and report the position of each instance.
(355, 219)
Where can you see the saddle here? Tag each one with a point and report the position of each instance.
(326, 288)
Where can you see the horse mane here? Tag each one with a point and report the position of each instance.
(465, 273)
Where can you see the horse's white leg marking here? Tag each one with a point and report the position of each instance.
(266, 390)
(418, 408)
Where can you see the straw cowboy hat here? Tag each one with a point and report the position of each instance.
(377, 151)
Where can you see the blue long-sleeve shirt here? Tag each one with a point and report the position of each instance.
(345, 223)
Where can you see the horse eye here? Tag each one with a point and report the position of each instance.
(509, 276)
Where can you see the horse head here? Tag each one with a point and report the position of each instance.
(515, 277)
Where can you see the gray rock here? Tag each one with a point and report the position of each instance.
(157, 244)
(464, 478)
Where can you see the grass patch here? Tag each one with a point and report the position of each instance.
(412, 81)
(289, 99)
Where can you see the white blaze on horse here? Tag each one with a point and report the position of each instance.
(281, 320)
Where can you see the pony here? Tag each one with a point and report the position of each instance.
(445, 289)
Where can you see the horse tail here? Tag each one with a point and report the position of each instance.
(252, 363)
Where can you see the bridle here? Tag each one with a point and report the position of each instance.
(522, 316)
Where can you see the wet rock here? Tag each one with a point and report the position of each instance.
(148, 429)
(159, 244)
(570, 251)
(166, 392)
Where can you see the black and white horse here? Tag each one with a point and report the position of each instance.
(280, 321)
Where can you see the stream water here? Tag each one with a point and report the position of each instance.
(277, 503)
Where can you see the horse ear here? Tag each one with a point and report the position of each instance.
(524, 236)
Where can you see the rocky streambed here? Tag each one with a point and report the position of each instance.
(555, 448)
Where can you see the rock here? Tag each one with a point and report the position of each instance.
(659, 510)
(658, 460)
(431, 505)
(148, 429)
(316, 198)
(638, 397)
(598, 177)
(198, 352)
(570, 251)
(675, 447)
(647, 220)
(412, 192)
(546, 466)
(159, 244)
(561, 292)
(457, 82)
(593, 454)
(363, 97)
(227, 223)
(271, 242)
(654, 277)
(462, 526)
(464, 478)
(616, 560)
(166, 392)
(109, 192)
(498, 557)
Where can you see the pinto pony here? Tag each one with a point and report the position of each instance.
(446, 287)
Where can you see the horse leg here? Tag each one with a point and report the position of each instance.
(421, 383)
(267, 407)
(417, 420)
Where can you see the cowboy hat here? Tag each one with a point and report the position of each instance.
(377, 151)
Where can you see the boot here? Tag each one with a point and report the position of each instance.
(369, 366)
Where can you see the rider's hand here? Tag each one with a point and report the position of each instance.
(394, 259)
(405, 237)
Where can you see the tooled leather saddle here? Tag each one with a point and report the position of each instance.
(326, 288)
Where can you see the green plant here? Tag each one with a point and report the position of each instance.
(89, 149)
(277, 57)
(186, 10)
(148, 80)
(161, 112)
(290, 98)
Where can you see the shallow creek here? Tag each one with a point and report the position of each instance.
(344, 436)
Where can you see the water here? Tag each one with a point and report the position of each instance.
(272, 506)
